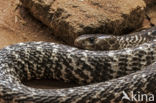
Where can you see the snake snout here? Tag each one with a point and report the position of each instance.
(85, 41)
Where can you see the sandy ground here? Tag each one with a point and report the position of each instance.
(16, 25)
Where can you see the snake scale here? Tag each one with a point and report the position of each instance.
(104, 75)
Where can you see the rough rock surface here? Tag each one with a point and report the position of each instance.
(151, 12)
(150, 2)
(71, 18)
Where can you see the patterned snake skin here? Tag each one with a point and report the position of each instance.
(127, 68)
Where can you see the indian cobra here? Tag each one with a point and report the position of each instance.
(127, 68)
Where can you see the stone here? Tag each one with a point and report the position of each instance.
(71, 18)
(150, 2)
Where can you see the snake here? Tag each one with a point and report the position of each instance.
(103, 76)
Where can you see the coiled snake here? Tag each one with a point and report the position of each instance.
(42, 60)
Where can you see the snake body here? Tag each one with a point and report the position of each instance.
(106, 74)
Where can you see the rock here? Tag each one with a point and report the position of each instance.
(150, 2)
(71, 18)
(151, 12)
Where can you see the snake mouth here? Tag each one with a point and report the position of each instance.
(83, 44)
(87, 41)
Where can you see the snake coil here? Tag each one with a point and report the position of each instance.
(109, 72)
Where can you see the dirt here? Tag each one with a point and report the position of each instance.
(17, 25)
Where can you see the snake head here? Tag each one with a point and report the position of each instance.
(91, 41)
(86, 41)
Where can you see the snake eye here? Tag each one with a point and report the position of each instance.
(92, 39)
